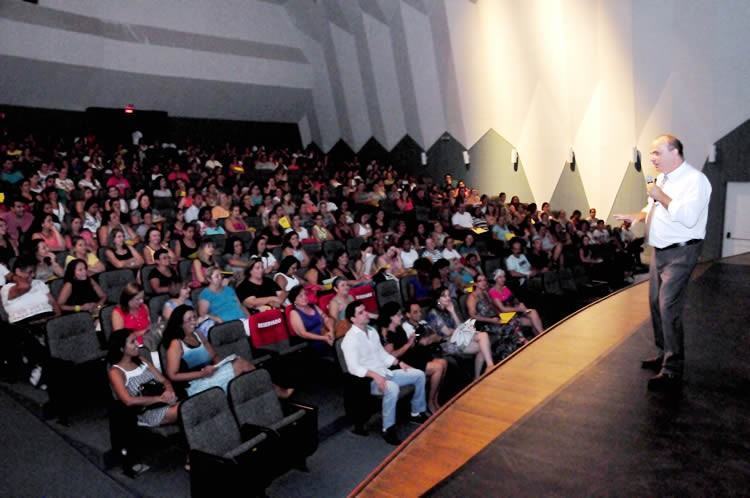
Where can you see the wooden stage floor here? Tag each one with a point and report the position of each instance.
(438, 458)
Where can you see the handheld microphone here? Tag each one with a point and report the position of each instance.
(649, 180)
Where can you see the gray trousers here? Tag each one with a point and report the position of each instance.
(670, 273)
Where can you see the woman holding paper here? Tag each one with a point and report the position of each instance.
(507, 303)
(191, 363)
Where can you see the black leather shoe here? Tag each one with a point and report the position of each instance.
(419, 419)
(654, 363)
(359, 430)
(664, 382)
(391, 437)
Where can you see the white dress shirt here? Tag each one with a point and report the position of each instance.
(363, 351)
(687, 214)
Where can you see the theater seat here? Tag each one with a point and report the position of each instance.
(255, 403)
(223, 459)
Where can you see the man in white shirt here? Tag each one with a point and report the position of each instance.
(365, 357)
(517, 264)
(461, 220)
(408, 254)
(676, 217)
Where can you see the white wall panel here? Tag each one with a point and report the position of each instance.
(351, 81)
(47, 44)
(240, 19)
(425, 75)
(386, 82)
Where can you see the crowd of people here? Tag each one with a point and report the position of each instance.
(255, 226)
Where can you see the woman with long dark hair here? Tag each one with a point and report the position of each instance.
(191, 361)
(129, 373)
(80, 292)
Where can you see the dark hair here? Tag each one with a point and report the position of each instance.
(70, 270)
(130, 290)
(159, 252)
(173, 329)
(337, 281)
(294, 293)
(351, 309)
(254, 245)
(24, 261)
(229, 247)
(673, 143)
(116, 346)
(388, 311)
(287, 263)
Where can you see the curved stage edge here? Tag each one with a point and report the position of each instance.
(513, 391)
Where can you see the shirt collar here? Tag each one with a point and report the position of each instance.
(677, 172)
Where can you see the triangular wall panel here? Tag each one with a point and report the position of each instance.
(630, 198)
(569, 193)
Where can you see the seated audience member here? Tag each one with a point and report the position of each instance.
(236, 258)
(179, 294)
(259, 249)
(506, 302)
(517, 264)
(293, 247)
(444, 320)
(46, 268)
(162, 276)
(462, 221)
(390, 262)
(365, 357)
(191, 363)
(206, 259)
(128, 373)
(419, 286)
(28, 304)
(186, 246)
(131, 312)
(364, 266)
(45, 230)
(408, 254)
(76, 229)
(430, 251)
(412, 349)
(119, 254)
(317, 273)
(538, 257)
(287, 278)
(80, 292)
(153, 244)
(449, 251)
(342, 269)
(273, 232)
(234, 222)
(18, 220)
(482, 308)
(8, 248)
(341, 299)
(319, 230)
(219, 302)
(308, 323)
(81, 251)
(258, 292)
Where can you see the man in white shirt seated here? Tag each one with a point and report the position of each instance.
(517, 264)
(408, 254)
(461, 220)
(365, 357)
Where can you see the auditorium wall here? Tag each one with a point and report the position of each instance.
(539, 76)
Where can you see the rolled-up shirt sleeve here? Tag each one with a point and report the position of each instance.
(688, 207)
(350, 349)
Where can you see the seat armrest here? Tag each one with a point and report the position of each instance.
(249, 431)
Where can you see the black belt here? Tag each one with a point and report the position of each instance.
(680, 244)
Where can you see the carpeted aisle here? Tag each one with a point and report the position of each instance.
(605, 434)
(35, 461)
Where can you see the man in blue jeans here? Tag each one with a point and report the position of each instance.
(365, 357)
